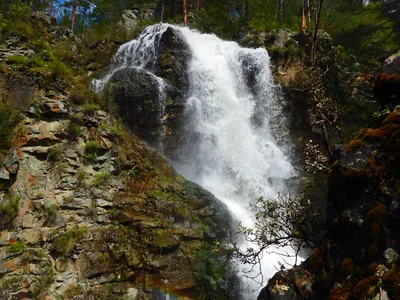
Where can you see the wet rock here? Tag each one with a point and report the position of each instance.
(4, 176)
(392, 64)
(136, 95)
(173, 59)
(390, 255)
(129, 21)
(11, 161)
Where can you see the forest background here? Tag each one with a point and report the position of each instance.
(368, 29)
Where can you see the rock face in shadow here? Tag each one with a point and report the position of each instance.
(150, 110)
(358, 257)
(137, 97)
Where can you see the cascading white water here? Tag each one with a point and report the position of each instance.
(234, 115)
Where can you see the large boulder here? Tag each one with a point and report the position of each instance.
(136, 94)
(129, 21)
(173, 59)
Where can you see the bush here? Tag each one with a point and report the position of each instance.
(60, 71)
(92, 149)
(65, 243)
(73, 131)
(53, 154)
(15, 248)
(19, 60)
(8, 210)
(101, 178)
(82, 94)
(9, 118)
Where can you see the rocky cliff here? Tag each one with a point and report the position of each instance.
(88, 210)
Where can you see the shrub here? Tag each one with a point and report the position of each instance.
(60, 71)
(8, 210)
(65, 243)
(100, 178)
(92, 149)
(17, 59)
(73, 131)
(53, 154)
(15, 248)
(43, 283)
(82, 93)
(90, 107)
(35, 61)
(9, 118)
(41, 44)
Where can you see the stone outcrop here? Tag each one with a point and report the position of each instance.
(90, 211)
(358, 257)
(152, 111)
(102, 208)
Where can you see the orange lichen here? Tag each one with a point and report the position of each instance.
(393, 118)
(375, 217)
(353, 145)
(347, 266)
(363, 288)
(392, 279)
(339, 294)
(316, 261)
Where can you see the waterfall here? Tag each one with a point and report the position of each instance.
(235, 138)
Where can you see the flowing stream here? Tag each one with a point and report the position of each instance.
(233, 113)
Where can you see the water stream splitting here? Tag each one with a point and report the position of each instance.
(238, 124)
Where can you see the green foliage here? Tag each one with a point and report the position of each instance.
(65, 243)
(53, 154)
(283, 222)
(73, 131)
(3, 23)
(60, 71)
(16, 247)
(46, 278)
(83, 94)
(9, 118)
(100, 179)
(8, 210)
(16, 59)
(92, 149)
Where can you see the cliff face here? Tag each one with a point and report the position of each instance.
(358, 257)
(90, 211)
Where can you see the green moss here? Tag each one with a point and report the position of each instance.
(92, 149)
(19, 60)
(8, 210)
(90, 107)
(73, 131)
(46, 278)
(53, 154)
(11, 284)
(9, 118)
(100, 179)
(15, 248)
(65, 243)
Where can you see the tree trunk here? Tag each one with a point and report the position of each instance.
(74, 7)
(303, 15)
(162, 10)
(315, 39)
(51, 8)
(280, 12)
(184, 12)
(197, 5)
